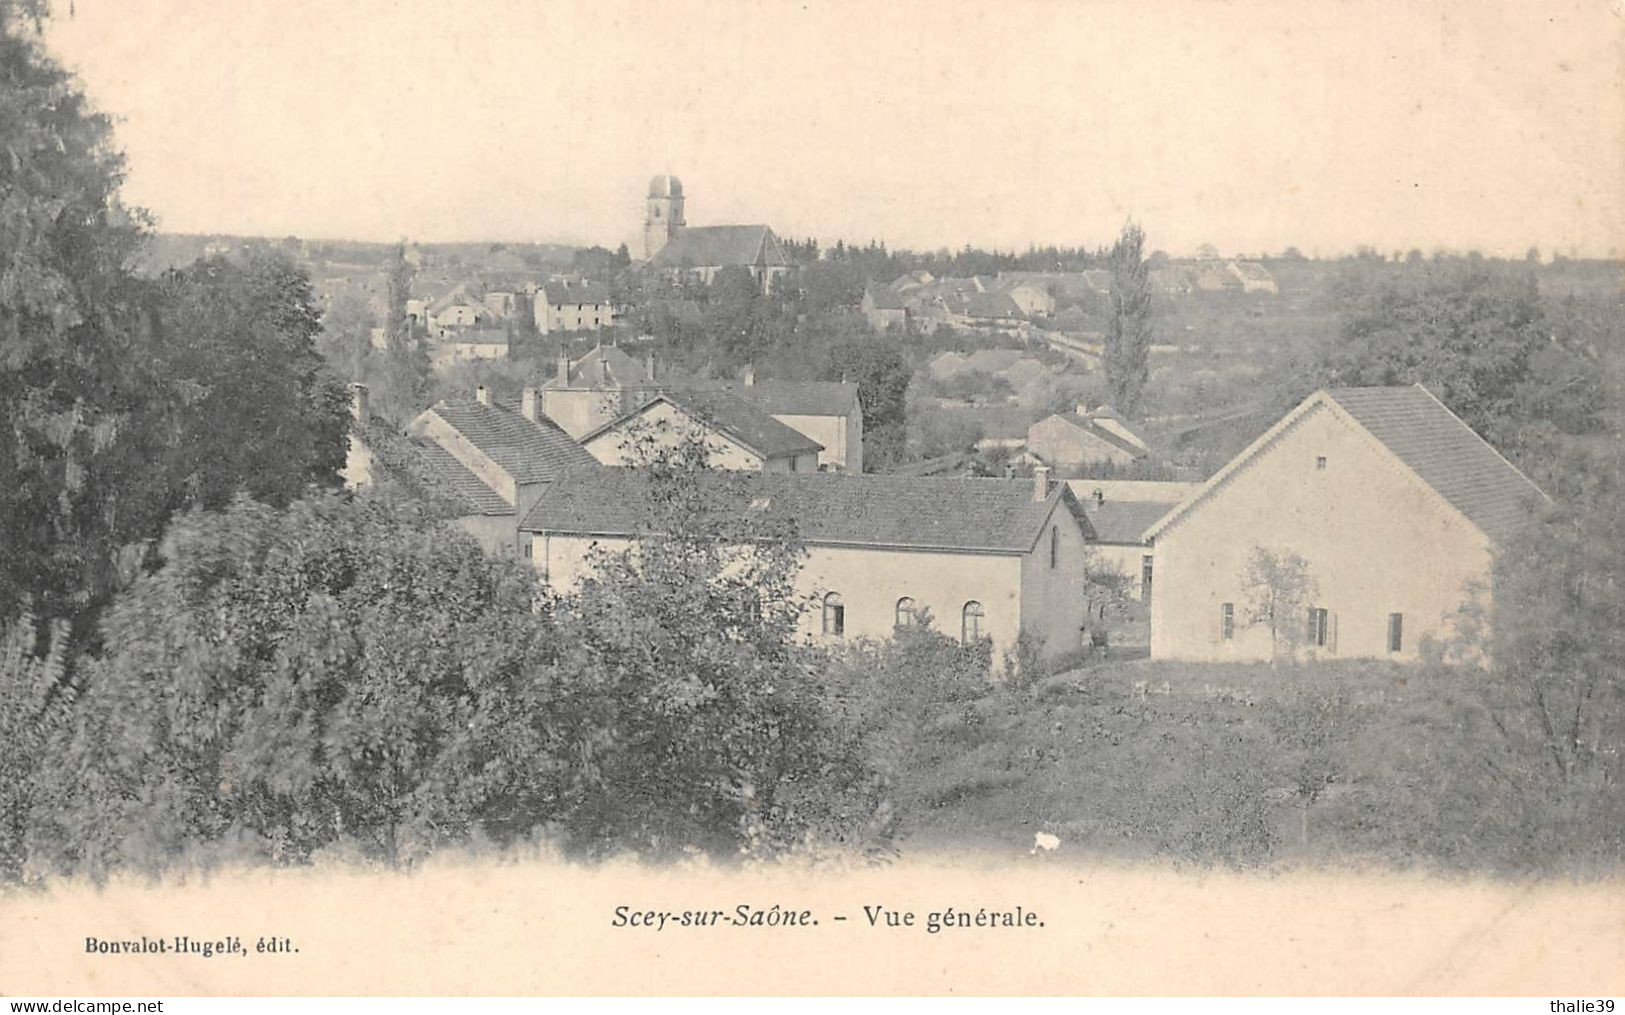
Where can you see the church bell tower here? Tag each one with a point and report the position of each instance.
(664, 215)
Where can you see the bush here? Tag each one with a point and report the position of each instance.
(338, 672)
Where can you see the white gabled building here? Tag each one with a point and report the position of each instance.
(1394, 503)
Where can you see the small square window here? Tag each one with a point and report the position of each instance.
(1320, 461)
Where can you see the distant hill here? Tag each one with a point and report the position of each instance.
(164, 251)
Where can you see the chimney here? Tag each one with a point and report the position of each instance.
(649, 367)
(358, 401)
(1040, 482)
(563, 374)
(750, 376)
(527, 404)
(482, 395)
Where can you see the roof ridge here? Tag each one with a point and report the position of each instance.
(1480, 438)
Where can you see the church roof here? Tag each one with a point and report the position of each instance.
(665, 185)
(720, 247)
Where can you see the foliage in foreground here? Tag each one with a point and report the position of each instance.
(355, 676)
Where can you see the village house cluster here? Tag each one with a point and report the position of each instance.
(1388, 506)
(1393, 504)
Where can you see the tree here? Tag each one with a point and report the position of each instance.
(706, 723)
(1277, 588)
(261, 415)
(76, 375)
(1128, 329)
(1480, 340)
(882, 376)
(1555, 691)
(346, 337)
(34, 702)
(337, 674)
(399, 378)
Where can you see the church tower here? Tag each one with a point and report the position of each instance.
(664, 215)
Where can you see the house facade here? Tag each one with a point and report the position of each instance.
(1083, 437)
(598, 388)
(988, 559)
(469, 488)
(1391, 501)
(827, 412)
(1120, 512)
(496, 456)
(736, 434)
(583, 306)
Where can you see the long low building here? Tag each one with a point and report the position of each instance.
(988, 558)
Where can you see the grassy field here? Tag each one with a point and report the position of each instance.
(1241, 765)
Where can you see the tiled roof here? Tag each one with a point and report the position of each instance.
(802, 398)
(1445, 452)
(478, 336)
(719, 246)
(457, 297)
(989, 515)
(604, 366)
(1426, 437)
(1124, 521)
(452, 479)
(594, 293)
(428, 471)
(883, 298)
(1100, 433)
(730, 415)
(530, 452)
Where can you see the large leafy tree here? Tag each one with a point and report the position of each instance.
(881, 373)
(341, 673)
(73, 376)
(1555, 693)
(705, 722)
(123, 400)
(1480, 339)
(259, 413)
(1128, 328)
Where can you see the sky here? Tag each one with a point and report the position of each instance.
(1250, 125)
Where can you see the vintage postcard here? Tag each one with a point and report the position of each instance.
(539, 497)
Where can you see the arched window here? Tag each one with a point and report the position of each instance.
(834, 614)
(905, 612)
(970, 622)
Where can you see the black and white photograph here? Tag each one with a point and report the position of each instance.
(1050, 497)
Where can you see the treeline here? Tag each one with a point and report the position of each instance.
(875, 260)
